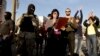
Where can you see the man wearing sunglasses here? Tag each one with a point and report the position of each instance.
(68, 32)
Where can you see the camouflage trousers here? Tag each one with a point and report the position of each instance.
(26, 43)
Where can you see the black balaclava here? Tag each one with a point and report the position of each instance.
(31, 9)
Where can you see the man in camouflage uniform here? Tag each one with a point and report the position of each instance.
(28, 25)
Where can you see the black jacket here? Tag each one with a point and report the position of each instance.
(79, 30)
(96, 24)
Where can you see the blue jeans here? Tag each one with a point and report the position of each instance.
(78, 44)
(92, 45)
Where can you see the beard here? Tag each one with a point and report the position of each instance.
(68, 14)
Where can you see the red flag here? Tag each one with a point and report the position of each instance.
(62, 21)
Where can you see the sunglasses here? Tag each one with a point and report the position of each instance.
(67, 11)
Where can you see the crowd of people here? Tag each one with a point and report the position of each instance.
(26, 36)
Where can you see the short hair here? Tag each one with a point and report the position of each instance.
(8, 13)
(49, 15)
(68, 9)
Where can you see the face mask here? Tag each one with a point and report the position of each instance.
(31, 10)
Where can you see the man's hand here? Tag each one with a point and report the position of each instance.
(40, 34)
(63, 28)
(34, 24)
(91, 14)
(80, 8)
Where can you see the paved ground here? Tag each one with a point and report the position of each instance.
(83, 52)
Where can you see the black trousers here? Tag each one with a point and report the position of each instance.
(69, 42)
(6, 47)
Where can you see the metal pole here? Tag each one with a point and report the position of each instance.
(13, 9)
(0, 11)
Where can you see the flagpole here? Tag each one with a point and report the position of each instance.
(13, 10)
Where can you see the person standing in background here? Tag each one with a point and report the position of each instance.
(7, 33)
(46, 25)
